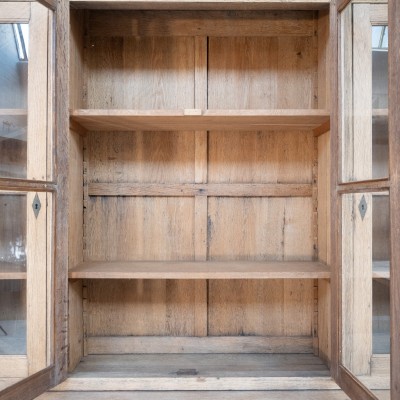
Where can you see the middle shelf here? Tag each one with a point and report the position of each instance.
(197, 119)
(200, 270)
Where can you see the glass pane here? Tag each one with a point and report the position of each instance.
(12, 274)
(365, 288)
(364, 85)
(13, 101)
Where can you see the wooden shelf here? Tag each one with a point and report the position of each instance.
(12, 271)
(196, 119)
(381, 270)
(200, 270)
(200, 372)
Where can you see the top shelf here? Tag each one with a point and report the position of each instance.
(197, 119)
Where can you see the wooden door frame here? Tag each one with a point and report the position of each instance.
(345, 379)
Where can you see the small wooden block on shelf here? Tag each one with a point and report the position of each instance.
(200, 270)
(197, 119)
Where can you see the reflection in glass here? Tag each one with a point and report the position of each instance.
(13, 100)
(364, 98)
(12, 274)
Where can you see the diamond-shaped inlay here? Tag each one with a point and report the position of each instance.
(36, 205)
(363, 207)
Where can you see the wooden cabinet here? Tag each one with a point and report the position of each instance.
(199, 229)
(218, 208)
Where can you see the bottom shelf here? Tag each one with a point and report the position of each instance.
(200, 372)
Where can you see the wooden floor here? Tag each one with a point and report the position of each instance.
(250, 395)
(206, 372)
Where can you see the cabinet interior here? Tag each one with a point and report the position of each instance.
(199, 195)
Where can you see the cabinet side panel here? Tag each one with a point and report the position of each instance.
(75, 248)
(261, 72)
(140, 72)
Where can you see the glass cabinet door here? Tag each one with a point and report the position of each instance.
(364, 194)
(25, 200)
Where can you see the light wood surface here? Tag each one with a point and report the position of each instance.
(199, 345)
(197, 119)
(36, 248)
(13, 366)
(201, 190)
(200, 270)
(11, 12)
(37, 94)
(203, 395)
(212, 372)
(357, 284)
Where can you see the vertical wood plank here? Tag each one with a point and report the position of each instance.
(394, 148)
(201, 162)
(323, 60)
(356, 284)
(37, 93)
(50, 277)
(36, 245)
(200, 72)
(362, 99)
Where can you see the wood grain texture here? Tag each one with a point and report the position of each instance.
(260, 157)
(36, 248)
(201, 190)
(75, 324)
(214, 372)
(141, 307)
(394, 149)
(205, 395)
(200, 23)
(245, 73)
(196, 345)
(196, 119)
(12, 271)
(357, 284)
(200, 270)
(204, 5)
(77, 65)
(142, 157)
(118, 73)
(142, 228)
(37, 94)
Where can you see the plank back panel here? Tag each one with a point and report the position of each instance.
(260, 157)
(141, 157)
(261, 72)
(140, 73)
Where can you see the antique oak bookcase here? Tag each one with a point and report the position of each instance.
(206, 197)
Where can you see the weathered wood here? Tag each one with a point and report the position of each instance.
(200, 270)
(201, 189)
(357, 284)
(204, 395)
(195, 345)
(36, 247)
(200, 23)
(171, 120)
(204, 5)
(37, 94)
(394, 151)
